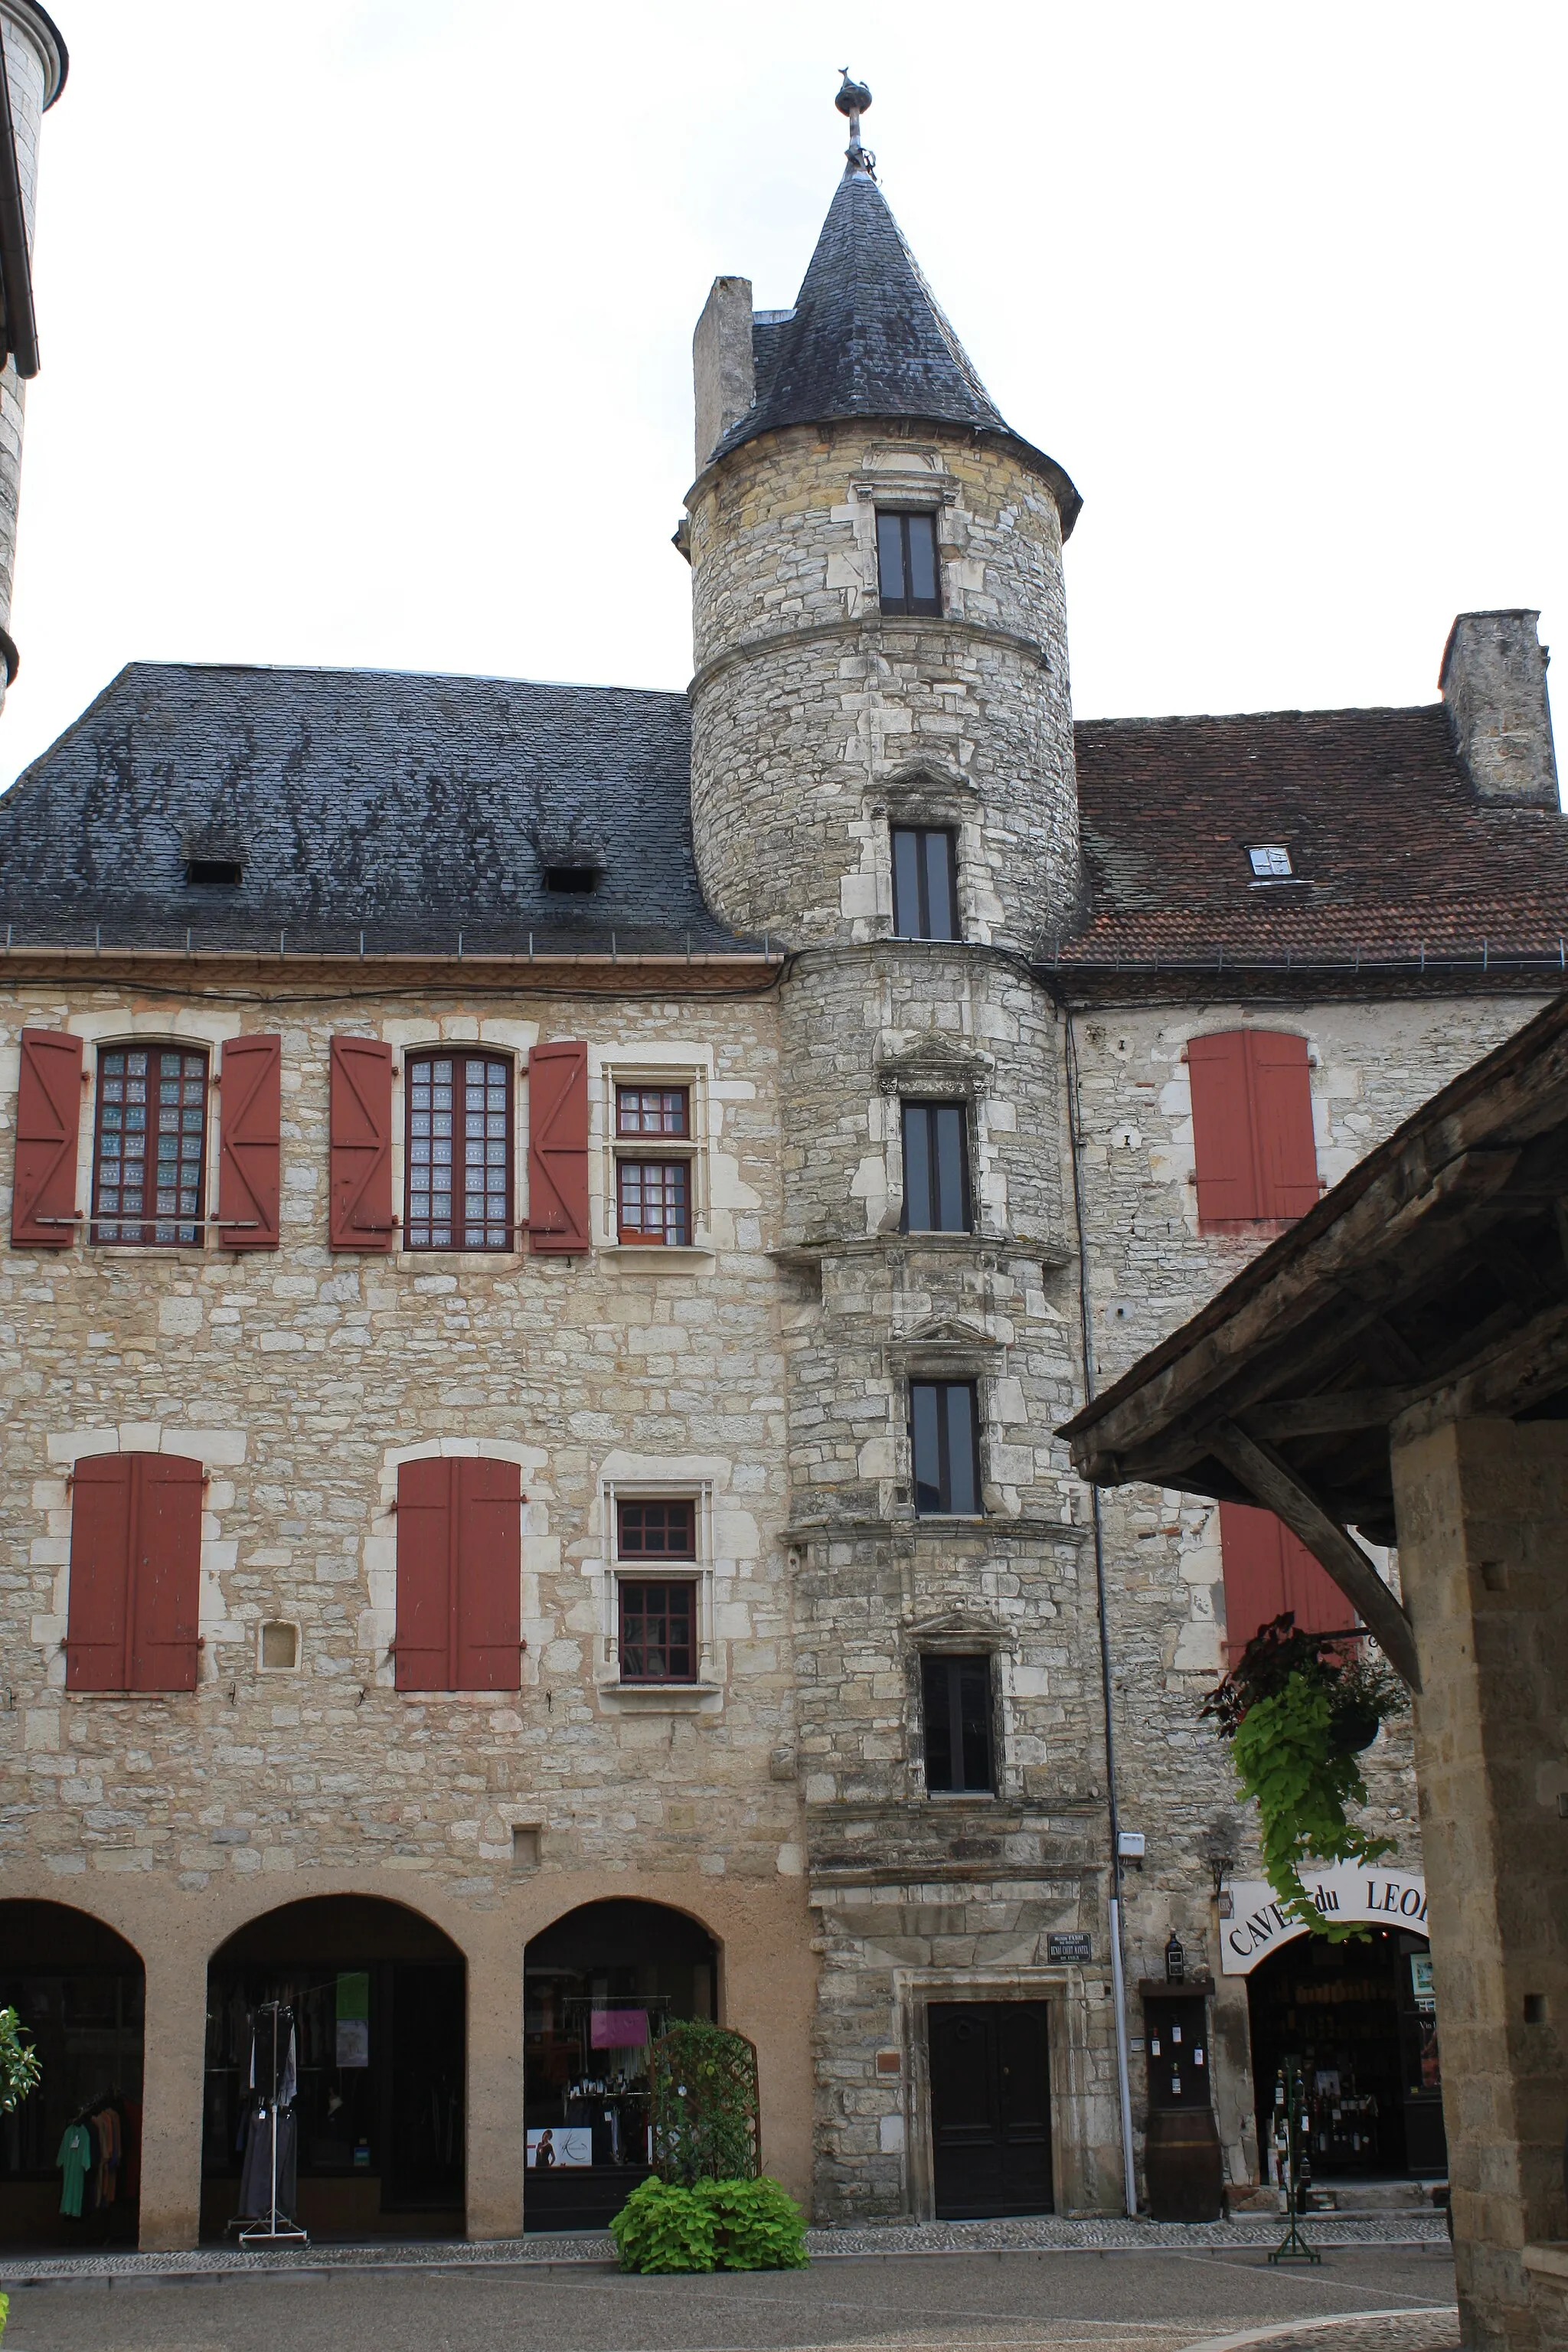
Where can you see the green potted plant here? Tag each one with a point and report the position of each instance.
(1298, 1708)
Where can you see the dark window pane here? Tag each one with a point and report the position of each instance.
(657, 1530)
(941, 908)
(920, 530)
(906, 884)
(963, 1470)
(920, 1212)
(926, 1419)
(890, 561)
(948, 1124)
(658, 1642)
(956, 1700)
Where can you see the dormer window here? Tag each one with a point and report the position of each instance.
(209, 873)
(906, 561)
(576, 880)
(1270, 861)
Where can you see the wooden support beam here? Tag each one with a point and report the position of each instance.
(1330, 1414)
(1279, 1489)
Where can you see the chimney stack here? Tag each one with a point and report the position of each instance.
(723, 371)
(1493, 680)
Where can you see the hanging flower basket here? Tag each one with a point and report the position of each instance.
(1298, 1708)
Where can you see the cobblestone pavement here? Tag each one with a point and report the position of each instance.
(1363, 2298)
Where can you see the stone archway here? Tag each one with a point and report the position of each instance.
(600, 1984)
(377, 1998)
(79, 1991)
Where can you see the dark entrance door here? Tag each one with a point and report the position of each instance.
(991, 2109)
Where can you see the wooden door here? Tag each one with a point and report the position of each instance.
(991, 2109)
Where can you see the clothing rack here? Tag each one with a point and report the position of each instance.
(273, 2026)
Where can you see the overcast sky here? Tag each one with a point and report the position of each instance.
(366, 324)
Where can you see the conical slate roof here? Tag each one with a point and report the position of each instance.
(868, 338)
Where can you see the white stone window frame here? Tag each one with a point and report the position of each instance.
(105, 1031)
(939, 1071)
(933, 798)
(508, 1040)
(378, 1619)
(952, 1354)
(651, 1064)
(959, 1634)
(218, 1626)
(901, 488)
(608, 1573)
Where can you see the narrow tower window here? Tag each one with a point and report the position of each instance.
(936, 1167)
(956, 1692)
(944, 1427)
(906, 563)
(925, 892)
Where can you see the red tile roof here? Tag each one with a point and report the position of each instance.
(1398, 858)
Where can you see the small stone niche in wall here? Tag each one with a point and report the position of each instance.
(278, 1647)
(525, 1844)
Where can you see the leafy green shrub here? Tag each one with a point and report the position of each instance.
(663, 2227)
(18, 2068)
(757, 2225)
(1294, 1712)
(704, 2105)
(727, 2225)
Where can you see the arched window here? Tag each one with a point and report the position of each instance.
(459, 1157)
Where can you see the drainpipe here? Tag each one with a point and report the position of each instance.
(1118, 1973)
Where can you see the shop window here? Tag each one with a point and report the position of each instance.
(944, 1425)
(1255, 1154)
(150, 1146)
(1268, 1571)
(459, 1151)
(459, 1575)
(135, 1572)
(908, 576)
(658, 1630)
(957, 1706)
(936, 1167)
(925, 883)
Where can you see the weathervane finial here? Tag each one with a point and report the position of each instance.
(852, 98)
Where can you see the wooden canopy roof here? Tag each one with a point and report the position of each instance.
(1431, 1284)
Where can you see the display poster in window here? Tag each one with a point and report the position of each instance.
(559, 2145)
(354, 2018)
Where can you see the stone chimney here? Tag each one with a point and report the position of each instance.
(723, 371)
(1493, 680)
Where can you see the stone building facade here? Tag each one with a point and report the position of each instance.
(869, 1805)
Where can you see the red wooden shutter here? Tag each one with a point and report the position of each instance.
(166, 1571)
(250, 1118)
(489, 1574)
(558, 1146)
(360, 1215)
(135, 1572)
(1269, 1570)
(97, 1621)
(48, 1114)
(425, 1652)
(1252, 1129)
(1222, 1131)
(1285, 1147)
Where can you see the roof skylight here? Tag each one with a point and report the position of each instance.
(1270, 861)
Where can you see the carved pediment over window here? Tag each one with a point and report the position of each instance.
(947, 1348)
(959, 1629)
(924, 792)
(936, 1064)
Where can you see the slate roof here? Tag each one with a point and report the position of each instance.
(410, 807)
(1400, 858)
(868, 338)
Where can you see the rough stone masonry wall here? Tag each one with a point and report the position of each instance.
(25, 71)
(300, 1378)
(810, 707)
(1373, 1066)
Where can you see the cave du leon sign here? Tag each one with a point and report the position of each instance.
(1257, 1926)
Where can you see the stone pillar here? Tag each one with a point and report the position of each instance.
(1483, 1548)
(495, 2128)
(174, 2060)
